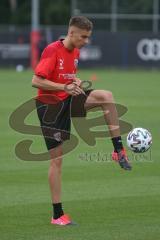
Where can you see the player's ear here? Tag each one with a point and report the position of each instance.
(71, 31)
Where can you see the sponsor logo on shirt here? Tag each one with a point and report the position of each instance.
(67, 75)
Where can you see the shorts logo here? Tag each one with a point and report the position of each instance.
(57, 136)
(76, 62)
(61, 62)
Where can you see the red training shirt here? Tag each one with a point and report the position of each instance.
(59, 65)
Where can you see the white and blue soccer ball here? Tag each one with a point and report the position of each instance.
(139, 140)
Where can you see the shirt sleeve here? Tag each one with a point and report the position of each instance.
(46, 65)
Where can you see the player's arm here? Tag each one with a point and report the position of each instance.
(42, 83)
(72, 89)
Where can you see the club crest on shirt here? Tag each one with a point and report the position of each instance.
(75, 62)
(61, 62)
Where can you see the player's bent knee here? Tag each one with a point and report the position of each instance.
(99, 97)
(109, 96)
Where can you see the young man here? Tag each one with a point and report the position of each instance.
(55, 78)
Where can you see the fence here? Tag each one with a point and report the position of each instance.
(115, 16)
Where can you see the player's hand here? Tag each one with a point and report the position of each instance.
(73, 89)
(77, 81)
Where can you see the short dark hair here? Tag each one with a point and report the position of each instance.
(81, 22)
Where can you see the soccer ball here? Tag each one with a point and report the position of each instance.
(139, 140)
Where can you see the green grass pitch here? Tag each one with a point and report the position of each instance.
(107, 202)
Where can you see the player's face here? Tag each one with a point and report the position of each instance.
(79, 37)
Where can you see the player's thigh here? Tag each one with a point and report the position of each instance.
(56, 155)
(97, 97)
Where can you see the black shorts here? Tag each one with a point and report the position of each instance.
(55, 119)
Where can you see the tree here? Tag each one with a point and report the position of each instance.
(52, 12)
(55, 12)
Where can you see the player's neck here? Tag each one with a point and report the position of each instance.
(67, 44)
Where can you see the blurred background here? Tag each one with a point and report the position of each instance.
(126, 33)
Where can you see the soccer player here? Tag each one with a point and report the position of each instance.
(58, 87)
